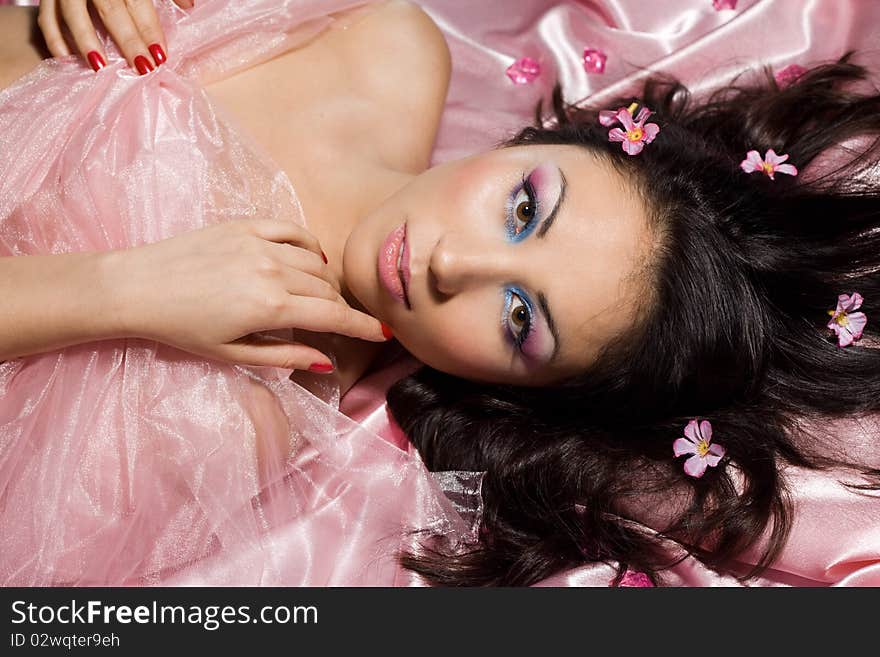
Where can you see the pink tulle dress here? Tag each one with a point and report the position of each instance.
(128, 462)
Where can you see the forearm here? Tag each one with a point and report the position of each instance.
(54, 301)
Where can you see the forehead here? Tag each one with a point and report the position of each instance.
(596, 249)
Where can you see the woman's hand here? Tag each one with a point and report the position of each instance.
(133, 24)
(207, 290)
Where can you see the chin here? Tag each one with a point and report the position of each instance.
(358, 279)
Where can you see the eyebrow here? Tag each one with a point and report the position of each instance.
(542, 298)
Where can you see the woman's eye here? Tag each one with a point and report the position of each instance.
(524, 208)
(519, 320)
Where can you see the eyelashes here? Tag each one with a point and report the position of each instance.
(522, 211)
(522, 208)
(518, 317)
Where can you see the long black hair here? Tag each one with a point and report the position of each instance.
(733, 330)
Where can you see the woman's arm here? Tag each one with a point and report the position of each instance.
(212, 292)
(54, 301)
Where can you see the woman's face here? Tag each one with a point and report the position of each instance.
(521, 263)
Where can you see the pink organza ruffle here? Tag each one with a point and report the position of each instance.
(129, 462)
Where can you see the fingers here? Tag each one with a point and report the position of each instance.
(314, 310)
(326, 316)
(133, 25)
(300, 283)
(277, 230)
(146, 21)
(302, 261)
(51, 29)
(116, 16)
(76, 16)
(270, 351)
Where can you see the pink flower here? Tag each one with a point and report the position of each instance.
(846, 324)
(789, 75)
(524, 70)
(635, 134)
(609, 117)
(698, 442)
(771, 164)
(723, 4)
(594, 60)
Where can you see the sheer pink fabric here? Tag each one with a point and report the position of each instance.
(129, 462)
(310, 528)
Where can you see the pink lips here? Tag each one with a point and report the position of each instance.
(387, 263)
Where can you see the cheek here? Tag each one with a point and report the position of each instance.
(455, 341)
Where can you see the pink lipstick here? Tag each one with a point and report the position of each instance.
(393, 264)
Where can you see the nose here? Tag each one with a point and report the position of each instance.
(459, 261)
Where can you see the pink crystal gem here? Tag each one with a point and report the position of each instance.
(635, 579)
(594, 60)
(723, 4)
(789, 74)
(524, 70)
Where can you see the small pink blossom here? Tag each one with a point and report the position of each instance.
(698, 441)
(723, 4)
(771, 164)
(789, 75)
(609, 117)
(524, 70)
(635, 134)
(846, 324)
(594, 60)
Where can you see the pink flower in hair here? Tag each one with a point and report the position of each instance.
(635, 134)
(771, 164)
(846, 324)
(609, 117)
(698, 441)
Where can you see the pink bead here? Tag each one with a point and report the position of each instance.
(723, 4)
(789, 74)
(636, 579)
(594, 60)
(524, 70)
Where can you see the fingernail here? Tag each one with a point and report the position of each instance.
(142, 64)
(386, 331)
(157, 53)
(324, 255)
(320, 367)
(96, 60)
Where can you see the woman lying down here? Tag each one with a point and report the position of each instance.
(630, 317)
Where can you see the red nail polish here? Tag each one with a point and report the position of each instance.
(157, 53)
(324, 255)
(96, 60)
(142, 64)
(386, 331)
(320, 367)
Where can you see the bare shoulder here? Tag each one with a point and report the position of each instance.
(402, 27)
(402, 62)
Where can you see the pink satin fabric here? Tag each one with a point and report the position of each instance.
(836, 535)
(318, 533)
